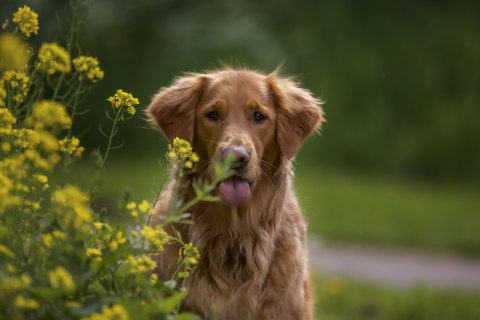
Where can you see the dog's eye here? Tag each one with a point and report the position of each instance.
(213, 115)
(258, 116)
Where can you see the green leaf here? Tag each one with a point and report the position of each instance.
(172, 302)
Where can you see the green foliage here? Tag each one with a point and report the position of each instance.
(341, 299)
(59, 257)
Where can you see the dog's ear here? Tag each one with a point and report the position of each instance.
(173, 108)
(299, 113)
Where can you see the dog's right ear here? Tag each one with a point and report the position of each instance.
(173, 108)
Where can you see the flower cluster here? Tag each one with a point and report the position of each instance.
(71, 206)
(156, 237)
(61, 278)
(124, 99)
(49, 114)
(27, 20)
(116, 312)
(15, 82)
(7, 120)
(89, 65)
(140, 264)
(53, 58)
(13, 52)
(71, 146)
(182, 149)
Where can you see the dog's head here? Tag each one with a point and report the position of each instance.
(257, 118)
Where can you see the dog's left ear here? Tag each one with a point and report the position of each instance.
(173, 108)
(299, 113)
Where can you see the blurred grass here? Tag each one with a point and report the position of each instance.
(340, 299)
(345, 207)
(353, 208)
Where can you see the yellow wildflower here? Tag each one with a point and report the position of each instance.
(27, 20)
(190, 251)
(27, 138)
(18, 82)
(94, 252)
(141, 264)
(61, 278)
(89, 65)
(69, 145)
(131, 110)
(79, 151)
(183, 149)
(13, 52)
(6, 147)
(21, 302)
(48, 240)
(71, 197)
(132, 205)
(144, 206)
(153, 278)
(123, 98)
(59, 234)
(53, 58)
(156, 237)
(49, 114)
(134, 213)
(116, 312)
(40, 178)
(7, 120)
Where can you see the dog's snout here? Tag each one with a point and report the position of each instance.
(242, 156)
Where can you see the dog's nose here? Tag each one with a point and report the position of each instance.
(242, 156)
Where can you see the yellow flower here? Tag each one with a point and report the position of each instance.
(134, 213)
(21, 302)
(116, 312)
(190, 251)
(132, 205)
(141, 264)
(122, 98)
(6, 147)
(79, 151)
(153, 278)
(69, 145)
(40, 178)
(144, 206)
(27, 138)
(61, 278)
(131, 110)
(156, 237)
(72, 198)
(27, 20)
(53, 58)
(49, 114)
(48, 240)
(18, 83)
(89, 65)
(7, 120)
(13, 52)
(59, 234)
(94, 252)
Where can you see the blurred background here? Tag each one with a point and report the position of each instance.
(397, 165)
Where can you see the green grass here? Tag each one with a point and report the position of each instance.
(339, 299)
(344, 207)
(353, 208)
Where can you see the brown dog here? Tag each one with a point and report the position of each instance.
(252, 243)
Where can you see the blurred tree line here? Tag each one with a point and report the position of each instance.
(401, 78)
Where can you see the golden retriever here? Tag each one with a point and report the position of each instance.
(253, 243)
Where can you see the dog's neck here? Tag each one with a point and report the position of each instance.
(241, 240)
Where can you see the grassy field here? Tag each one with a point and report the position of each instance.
(352, 208)
(345, 207)
(340, 299)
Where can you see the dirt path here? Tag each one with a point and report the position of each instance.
(395, 268)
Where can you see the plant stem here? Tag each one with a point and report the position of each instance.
(57, 88)
(111, 136)
(74, 109)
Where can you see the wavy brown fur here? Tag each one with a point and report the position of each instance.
(254, 258)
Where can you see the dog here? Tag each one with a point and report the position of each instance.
(253, 242)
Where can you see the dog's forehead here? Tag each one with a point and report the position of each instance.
(239, 84)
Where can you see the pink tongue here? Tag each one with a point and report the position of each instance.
(234, 192)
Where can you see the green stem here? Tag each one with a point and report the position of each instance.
(58, 86)
(111, 136)
(74, 109)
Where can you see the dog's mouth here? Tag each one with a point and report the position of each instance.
(234, 191)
